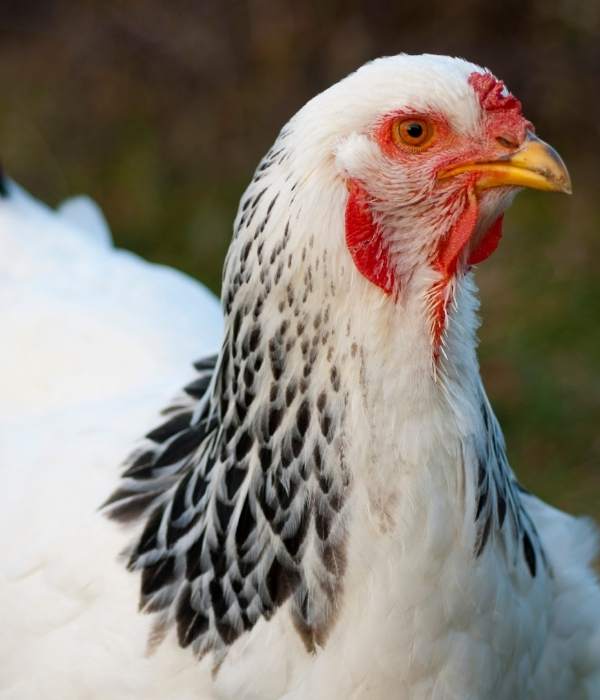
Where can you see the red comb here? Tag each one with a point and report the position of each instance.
(492, 93)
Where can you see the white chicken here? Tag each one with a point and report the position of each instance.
(326, 510)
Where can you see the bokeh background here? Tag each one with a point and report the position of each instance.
(160, 111)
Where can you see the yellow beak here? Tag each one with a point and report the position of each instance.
(535, 164)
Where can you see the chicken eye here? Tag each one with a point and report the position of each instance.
(415, 133)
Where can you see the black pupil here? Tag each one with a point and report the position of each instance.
(415, 130)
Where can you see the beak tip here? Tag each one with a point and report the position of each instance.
(564, 186)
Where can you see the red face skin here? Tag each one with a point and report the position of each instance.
(504, 129)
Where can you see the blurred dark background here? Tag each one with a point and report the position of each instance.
(160, 111)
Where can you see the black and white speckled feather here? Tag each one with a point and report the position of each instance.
(243, 487)
(499, 511)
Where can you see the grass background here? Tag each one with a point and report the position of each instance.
(160, 111)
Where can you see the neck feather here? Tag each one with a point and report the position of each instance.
(361, 359)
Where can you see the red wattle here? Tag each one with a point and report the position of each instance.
(453, 244)
(488, 243)
(365, 241)
(446, 260)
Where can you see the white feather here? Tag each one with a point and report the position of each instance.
(95, 342)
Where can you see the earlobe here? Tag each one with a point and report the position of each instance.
(365, 241)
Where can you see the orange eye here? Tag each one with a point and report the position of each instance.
(415, 133)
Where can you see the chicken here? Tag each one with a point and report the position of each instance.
(326, 509)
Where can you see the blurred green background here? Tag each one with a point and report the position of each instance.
(160, 111)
